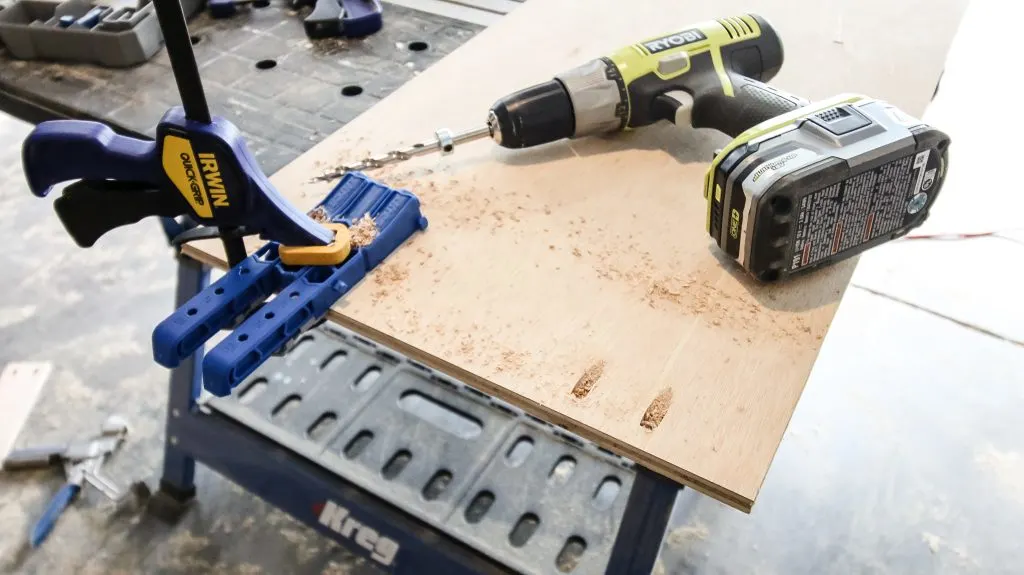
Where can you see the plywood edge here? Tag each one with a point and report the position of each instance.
(696, 482)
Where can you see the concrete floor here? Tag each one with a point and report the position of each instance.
(905, 455)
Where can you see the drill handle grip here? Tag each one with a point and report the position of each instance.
(752, 102)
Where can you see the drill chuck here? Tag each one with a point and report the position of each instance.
(533, 116)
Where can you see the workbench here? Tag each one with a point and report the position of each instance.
(249, 440)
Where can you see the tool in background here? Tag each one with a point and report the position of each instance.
(800, 186)
(199, 167)
(79, 31)
(82, 462)
(374, 220)
(228, 8)
(344, 18)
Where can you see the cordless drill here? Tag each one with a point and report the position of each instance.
(801, 185)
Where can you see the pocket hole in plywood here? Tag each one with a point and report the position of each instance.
(393, 468)
(358, 444)
(524, 529)
(479, 507)
(520, 450)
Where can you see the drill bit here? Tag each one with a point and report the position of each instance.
(444, 141)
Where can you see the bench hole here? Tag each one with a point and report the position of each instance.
(289, 404)
(606, 492)
(396, 464)
(520, 450)
(266, 64)
(479, 507)
(252, 391)
(569, 557)
(418, 46)
(195, 39)
(524, 529)
(364, 381)
(294, 295)
(440, 415)
(437, 485)
(321, 426)
(358, 444)
(351, 90)
(261, 4)
(243, 337)
(269, 315)
(192, 311)
(218, 291)
(562, 470)
(334, 360)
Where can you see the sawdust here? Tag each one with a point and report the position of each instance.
(511, 360)
(576, 252)
(667, 289)
(466, 346)
(656, 410)
(680, 536)
(319, 215)
(329, 46)
(391, 273)
(588, 380)
(364, 231)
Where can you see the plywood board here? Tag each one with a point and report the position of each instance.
(543, 266)
(20, 384)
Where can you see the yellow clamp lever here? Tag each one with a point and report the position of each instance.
(329, 255)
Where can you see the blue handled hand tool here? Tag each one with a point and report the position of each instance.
(304, 294)
(228, 8)
(198, 166)
(81, 460)
(345, 18)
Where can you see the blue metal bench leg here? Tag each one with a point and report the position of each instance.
(643, 524)
(177, 485)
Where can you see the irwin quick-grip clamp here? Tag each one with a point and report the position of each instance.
(303, 294)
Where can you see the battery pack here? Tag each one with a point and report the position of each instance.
(825, 184)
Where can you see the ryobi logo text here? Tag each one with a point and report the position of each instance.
(180, 163)
(674, 40)
(773, 165)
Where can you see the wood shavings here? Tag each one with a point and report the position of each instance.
(588, 380)
(364, 231)
(656, 410)
(511, 360)
(391, 273)
(576, 252)
(319, 215)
